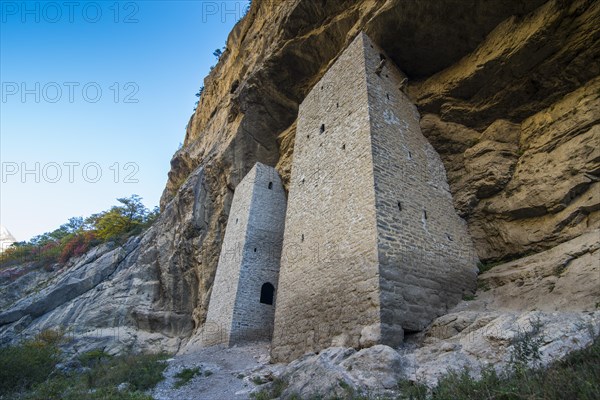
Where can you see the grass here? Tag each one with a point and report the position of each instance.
(575, 377)
(28, 363)
(28, 372)
(484, 267)
(468, 297)
(274, 390)
(186, 375)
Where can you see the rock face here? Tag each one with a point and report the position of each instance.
(242, 303)
(139, 296)
(508, 94)
(565, 278)
(488, 76)
(373, 243)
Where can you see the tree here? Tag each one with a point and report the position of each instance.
(218, 53)
(121, 221)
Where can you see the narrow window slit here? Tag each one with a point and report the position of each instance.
(271, 185)
(322, 128)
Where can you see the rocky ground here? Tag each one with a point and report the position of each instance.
(460, 339)
(224, 373)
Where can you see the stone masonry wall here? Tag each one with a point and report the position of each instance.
(426, 257)
(328, 289)
(372, 243)
(249, 258)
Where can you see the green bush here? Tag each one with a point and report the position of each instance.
(186, 375)
(140, 371)
(274, 390)
(575, 377)
(27, 371)
(28, 363)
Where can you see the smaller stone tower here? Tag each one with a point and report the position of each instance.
(242, 302)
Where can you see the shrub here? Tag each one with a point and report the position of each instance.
(28, 363)
(575, 377)
(274, 390)
(77, 236)
(140, 371)
(77, 245)
(101, 377)
(186, 375)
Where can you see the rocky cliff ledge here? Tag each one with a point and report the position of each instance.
(509, 97)
(508, 92)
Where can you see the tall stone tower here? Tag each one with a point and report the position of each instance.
(242, 302)
(373, 246)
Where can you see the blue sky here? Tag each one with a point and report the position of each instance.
(95, 99)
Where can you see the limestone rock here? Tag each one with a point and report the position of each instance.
(376, 367)
(474, 65)
(139, 296)
(476, 340)
(338, 371)
(320, 374)
(566, 277)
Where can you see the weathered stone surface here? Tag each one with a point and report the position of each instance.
(476, 340)
(524, 65)
(339, 371)
(374, 368)
(249, 262)
(566, 277)
(553, 194)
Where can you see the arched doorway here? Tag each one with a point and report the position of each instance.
(267, 293)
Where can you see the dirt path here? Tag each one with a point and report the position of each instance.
(227, 366)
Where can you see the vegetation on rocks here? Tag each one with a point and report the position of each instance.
(37, 369)
(186, 375)
(575, 377)
(79, 234)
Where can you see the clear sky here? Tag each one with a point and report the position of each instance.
(94, 101)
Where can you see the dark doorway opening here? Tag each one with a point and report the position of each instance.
(267, 291)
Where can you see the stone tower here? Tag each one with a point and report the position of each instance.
(373, 246)
(242, 302)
